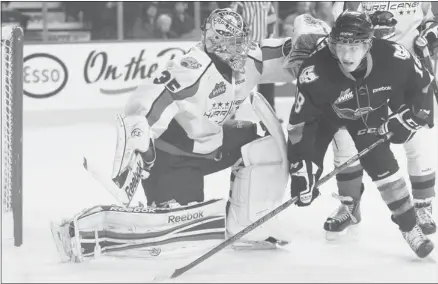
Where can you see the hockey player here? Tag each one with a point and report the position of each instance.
(176, 129)
(400, 22)
(351, 83)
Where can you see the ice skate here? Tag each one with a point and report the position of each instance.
(418, 242)
(65, 243)
(423, 213)
(344, 220)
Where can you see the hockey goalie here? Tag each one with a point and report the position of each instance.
(176, 129)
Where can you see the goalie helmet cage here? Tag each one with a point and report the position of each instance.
(12, 133)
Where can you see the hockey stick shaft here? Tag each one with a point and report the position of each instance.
(277, 210)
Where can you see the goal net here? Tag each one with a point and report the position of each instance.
(12, 133)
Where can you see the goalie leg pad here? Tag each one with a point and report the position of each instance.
(258, 186)
(267, 116)
(142, 231)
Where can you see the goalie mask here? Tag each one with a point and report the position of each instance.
(226, 35)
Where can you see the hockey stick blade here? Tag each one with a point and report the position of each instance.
(118, 194)
(221, 246)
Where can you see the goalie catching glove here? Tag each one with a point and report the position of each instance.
(304, 175)
(135, 153)
(403, 124)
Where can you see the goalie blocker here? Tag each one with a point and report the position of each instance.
(177, 215)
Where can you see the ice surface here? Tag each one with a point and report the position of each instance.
(56, 186)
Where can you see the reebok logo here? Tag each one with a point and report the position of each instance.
(345, 96)
(186, 217)
(132, 209)
(384, 174)
(381, 89)
(218, 90)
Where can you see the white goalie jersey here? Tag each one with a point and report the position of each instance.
(187, 104)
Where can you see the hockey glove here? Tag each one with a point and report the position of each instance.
(304, 175)
(403, 124)
(384, 24)
(428, 36)
(135, 153)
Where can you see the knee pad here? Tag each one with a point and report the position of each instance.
(258, 186)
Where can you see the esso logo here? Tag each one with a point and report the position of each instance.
(44, 75)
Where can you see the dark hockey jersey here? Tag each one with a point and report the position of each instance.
(393, 77)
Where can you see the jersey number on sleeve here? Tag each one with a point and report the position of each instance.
(308, 75)
(165, 77)
(401, 52)
(299, 102)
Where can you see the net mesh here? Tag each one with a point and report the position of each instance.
(12, 132)
(7, 112)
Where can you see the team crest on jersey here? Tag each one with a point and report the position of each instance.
(345, 96)
(227, 23)
(308, 75)
(218, 90)
(219, 111)
(400, 8)
(190, 63)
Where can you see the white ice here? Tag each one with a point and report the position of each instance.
(56, 186)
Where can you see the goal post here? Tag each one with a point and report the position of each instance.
(12, 132)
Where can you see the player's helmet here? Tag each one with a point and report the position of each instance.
(226, 34)
(351, 27)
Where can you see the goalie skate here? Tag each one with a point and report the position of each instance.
(64, 243)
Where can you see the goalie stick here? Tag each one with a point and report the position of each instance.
(268, 216)
(107, 183)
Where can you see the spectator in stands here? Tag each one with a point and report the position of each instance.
(13, 16)
(210, 6)
(305, 7)
(164, 22)
(145, 25)
(182, 22)
(261, 18)
(323, 11)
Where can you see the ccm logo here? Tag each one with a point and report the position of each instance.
(187, 217)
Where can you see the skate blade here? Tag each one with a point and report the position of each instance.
(57, 238)
(351, 232)
(254, 246)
